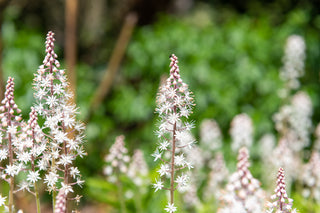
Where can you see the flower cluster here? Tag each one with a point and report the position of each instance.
(241, 132)
(311, 177)
(293, 121)
(10, 131)
(283, 156)
(217, 177)
(117, 159)
(61, 202)
(10, 147)
(174, 105)
(190, 197)
(266, 145)
(243, 187)
(120, 166)
(211, 137)
(281, 202)
(138, 169)
(64, 133)
(293, 60)
(34, 142)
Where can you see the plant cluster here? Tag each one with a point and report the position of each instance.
(209, 180)
(41, 152)
(34, 155)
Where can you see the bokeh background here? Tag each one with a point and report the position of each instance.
(117, 51)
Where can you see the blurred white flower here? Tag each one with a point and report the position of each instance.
(241, 132)
(117, 160)
(293, 63)
(138, 169)
(210, 137)
(294, 121)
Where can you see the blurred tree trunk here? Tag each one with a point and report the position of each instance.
(114, 62)
(93, 18)
(71, 12)
(3, 5)
(70, 51)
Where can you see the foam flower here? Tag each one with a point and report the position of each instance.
(241, 131)
(280, 200)
(64, 133)
(117, 160)
(174, 106)
(243, 188)
(293, 63)
(10, 146)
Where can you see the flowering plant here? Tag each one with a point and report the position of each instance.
(174, 105)
(49, 149)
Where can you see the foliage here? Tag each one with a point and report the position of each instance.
(233, 66)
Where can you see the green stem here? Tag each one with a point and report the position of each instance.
(11, 195)
(138, 201)
(37, 198)
(121, 197)
(33, 169)
(54, 193)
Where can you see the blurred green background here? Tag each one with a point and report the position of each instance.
(230, 54)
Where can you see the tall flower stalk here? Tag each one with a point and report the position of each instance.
(33, 157)
(174, 105)
(62, 130)
(9, 134)
(138, 172)
(117, 164)
(281, 202)
(293, 64)
(243, 189)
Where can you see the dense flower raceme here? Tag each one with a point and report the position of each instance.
(190, 197)
(174, 105)
(311, 177)
(217, 177)
(10, 131)
(117, 160)
(281, 203)
(242, 189)
(120, 165)
(269, 158)
(138, 169)
(283, 156)
(293, 67)
(241, 131)
(64, 132)
(61, 202)
(294, 121)
(34, 156)
(210, 137)
(11, 148)
(266, 145)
